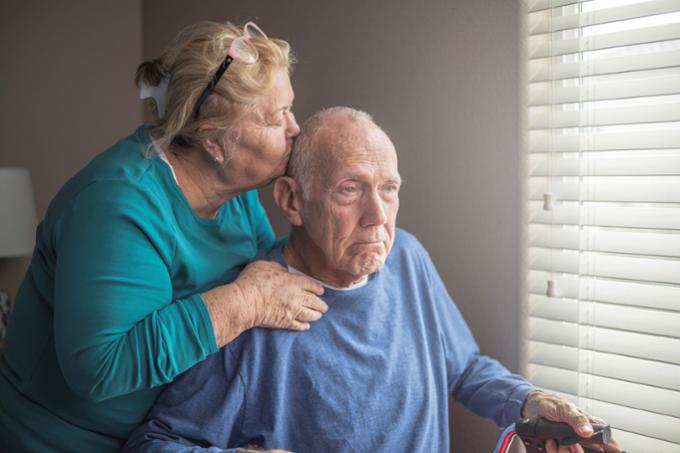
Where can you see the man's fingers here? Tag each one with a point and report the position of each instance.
(578, 420)
(576, 448)
(597, 420)
(582, 426)
(550, 446)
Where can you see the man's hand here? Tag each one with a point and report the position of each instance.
(554, 408)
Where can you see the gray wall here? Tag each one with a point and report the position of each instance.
(441, 77)
(66, 89)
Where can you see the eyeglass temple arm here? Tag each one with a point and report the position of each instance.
(211, 86)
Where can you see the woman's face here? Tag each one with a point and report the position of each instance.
(262, 152)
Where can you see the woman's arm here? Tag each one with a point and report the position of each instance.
(116, 327)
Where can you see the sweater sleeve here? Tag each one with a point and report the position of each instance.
(199, 412)
(479, 382)
(116, 327)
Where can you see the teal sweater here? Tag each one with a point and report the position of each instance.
(110, 308)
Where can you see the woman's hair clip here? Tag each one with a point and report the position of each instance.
(158, 93)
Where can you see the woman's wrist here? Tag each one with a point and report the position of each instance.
(229, 312)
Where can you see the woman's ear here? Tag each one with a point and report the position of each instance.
(213, 148)
(214, 151)
(288, 198)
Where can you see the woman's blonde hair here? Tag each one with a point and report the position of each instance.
(189, 64)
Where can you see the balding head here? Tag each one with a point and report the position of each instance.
(323, 136)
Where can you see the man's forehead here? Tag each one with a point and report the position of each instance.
(362, 162)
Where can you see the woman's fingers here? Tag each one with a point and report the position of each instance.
(297, 325)
(308, 284)
(307, 315)
(314, 303)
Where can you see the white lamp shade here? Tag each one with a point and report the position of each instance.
(17, 213)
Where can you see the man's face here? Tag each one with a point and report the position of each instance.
(351, 210)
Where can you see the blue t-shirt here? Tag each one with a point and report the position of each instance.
(110, 309)
(373, 374)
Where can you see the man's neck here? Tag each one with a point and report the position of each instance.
(304, 255)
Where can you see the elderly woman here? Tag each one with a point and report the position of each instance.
(137, 272)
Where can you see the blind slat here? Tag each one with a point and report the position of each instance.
(544, 70)
(630, 344)
(607, 164)
(631, 319)
(605, 41)
(606, 215)
(603, 16)
(641, 114)
(643, 444)
(593, 239)
(609, 189)
(604, 265)
(664, 297)
(649, 86)
(539, 5)
(632, 395)
(544, 141)
(615, 366)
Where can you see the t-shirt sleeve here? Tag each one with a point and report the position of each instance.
(116, 327)
(479, 382)
(199, 412)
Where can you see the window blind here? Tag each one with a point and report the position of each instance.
(604, 212)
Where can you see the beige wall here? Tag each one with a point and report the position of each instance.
(66, 89)
(441, 76)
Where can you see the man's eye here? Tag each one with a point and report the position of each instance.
(349, 189)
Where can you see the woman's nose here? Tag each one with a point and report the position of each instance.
(293, 127)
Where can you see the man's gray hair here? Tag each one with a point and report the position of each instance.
(305, 160)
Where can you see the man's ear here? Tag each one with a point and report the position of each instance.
(288, 198)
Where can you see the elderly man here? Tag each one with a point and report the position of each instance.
(375, 373)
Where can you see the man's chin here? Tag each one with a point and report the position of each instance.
(368, 264)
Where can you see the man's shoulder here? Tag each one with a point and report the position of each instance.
(406, 243)
(275, 253)
(408, 254)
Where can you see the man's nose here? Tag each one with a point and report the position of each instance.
(374, 211)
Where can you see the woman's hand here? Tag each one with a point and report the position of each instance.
(278, 299)
(264, 295)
